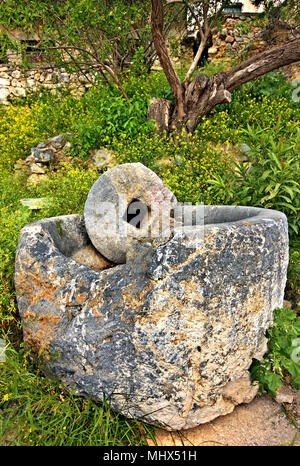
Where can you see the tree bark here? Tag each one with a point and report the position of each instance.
(157, 24)
(202, 94)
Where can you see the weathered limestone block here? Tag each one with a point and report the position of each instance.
(122, 191)
(169, 336)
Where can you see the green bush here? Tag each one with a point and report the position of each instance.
(270, 179)
(185, 163)
(283, 353)
(106, 116)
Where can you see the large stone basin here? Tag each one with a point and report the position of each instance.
(168, 337)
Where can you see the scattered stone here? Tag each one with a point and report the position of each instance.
(30, 83)
(90, 257)
(223, 34)
(37, 168)
(36, 203)
(19, 92)
(244, 148)
(287, 304)
(58, 142)
(284, 394)
(4, 93)
(16, 74)
(41, 155)
(212, 50)
(41, 145)
(103, 158)
(4, 82)
(259, 423)
(14, 82)
(20, 165)
(36, 178)
(229, 39)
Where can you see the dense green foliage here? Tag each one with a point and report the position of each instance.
(283, 354)
(199, 168)
(82, 32)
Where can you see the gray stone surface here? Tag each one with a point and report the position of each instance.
(40, 155)
(102, 158)
(58, 142)
(130, 184)
(168, 337)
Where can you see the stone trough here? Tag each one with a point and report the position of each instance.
(167, 337)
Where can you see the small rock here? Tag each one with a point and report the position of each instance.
(244, 148)
(284, 394)
(102, 158)
(4, 82)
(223, 34)
(16, 74)
(287, 304)
(19, 92)
(57, 142)
(30, 83)
(41, 145)
(212, 50)
(90, 257)
(229, 39)
(37, 168)
(64, 77)
(35, 204)
(41, 155)
(4, 93)
(15, 82)
(35, 179)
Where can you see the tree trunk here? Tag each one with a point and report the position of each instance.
(201, 95)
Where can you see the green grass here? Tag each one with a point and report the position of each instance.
(37, 410)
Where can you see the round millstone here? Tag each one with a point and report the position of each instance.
(126, 208)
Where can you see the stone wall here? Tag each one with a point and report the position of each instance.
(15, 82)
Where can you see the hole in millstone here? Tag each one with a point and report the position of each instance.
(199, 348)
(136, 213)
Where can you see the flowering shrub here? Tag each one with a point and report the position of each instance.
(67, 189)
(185, 163)
(18, 131)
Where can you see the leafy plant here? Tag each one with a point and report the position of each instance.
(293, 277)
(270, 179)
(282, 355)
